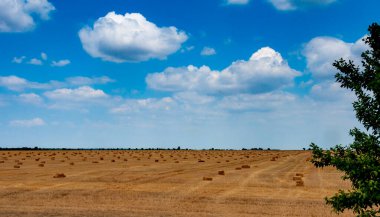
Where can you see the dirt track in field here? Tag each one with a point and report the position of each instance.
(136, 185)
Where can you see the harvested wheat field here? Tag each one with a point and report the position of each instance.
(164, 183)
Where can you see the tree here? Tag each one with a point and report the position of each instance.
(360, 161)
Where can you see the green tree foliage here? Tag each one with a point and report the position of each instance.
(360, 161)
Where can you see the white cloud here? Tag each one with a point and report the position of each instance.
(16, 83)
(208, 51)
(81, 80)
(265, 71)
(60, 63)
(256, 102)
(148, 104)
(193, 98)
(286, 5)
(13, 82)
(331, 91)
(44, 56)
(130, 38)
(35, 122)
(321, 52)
(18, 60)
(19, 15)
(84, 93)
(35, 61)
(30, 98)
(237, 2)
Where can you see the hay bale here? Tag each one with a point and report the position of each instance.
(95, 162)
(299, 174)
(1, 161)
(245, 166)
(156, 161)
(207, 179)
(72, 163)
(16, 166)
(176, 162)
(299, 183)
(201, 161)
(221, 172)
(59, 175)
(41, 165)
(238, 168)
(297, 178)
(112, 160)
(273, 159)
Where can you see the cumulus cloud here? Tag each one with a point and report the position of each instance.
(256, 102)
(208, 51)
(331, 91)
(60, 63)
(237, 2)
(148, 104)
(13, 82)
(16, 83)
(84, 93)
(35, 61)
(321, 52)
(35, 122)
(265, 71)
(81, 80)
(30, 98)
(20, 15)
(286, 5)
(44, 56)
(130, 38)
(18, 60)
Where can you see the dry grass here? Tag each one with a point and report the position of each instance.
(151, 183)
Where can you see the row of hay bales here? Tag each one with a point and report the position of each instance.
(222, 173)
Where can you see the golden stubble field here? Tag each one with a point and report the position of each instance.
(164, 183)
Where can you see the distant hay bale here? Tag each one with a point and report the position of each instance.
(95, 162)
(207, 179)
(245, 166)
(41, 165)
(19, 163)
(1, 161)
(227, 161)
(37, 159)
(238, 168)
(72, 163)
(59, 175)
(299, 183)
(112, 160)
(297, 178)
(16, 166)
(273, 159)
(156, 161)
(218, 162)
(299, 174)
(221, 172)
(201, 161)
(176, 162)
(125, 159)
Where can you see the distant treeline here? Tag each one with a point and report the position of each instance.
(115, 149)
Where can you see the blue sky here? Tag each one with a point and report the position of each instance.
(199, 74)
